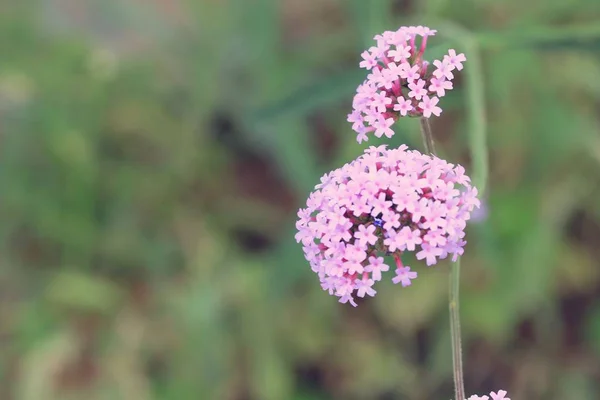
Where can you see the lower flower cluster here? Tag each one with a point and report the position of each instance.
(386, 202)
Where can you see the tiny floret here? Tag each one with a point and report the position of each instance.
(501, 395)
(384, 203)
(400, 80)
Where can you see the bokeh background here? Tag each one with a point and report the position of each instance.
(153, 155)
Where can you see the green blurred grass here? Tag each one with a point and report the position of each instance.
(152, 158)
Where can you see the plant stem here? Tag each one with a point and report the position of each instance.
(457, 370)
(427, 136)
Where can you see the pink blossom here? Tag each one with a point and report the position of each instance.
(411, 237)
(384, 202)
(366, 235)
(417, 89)
(355, 116)
(436, 238)
(347, 298)
(392, 221)
(454, 59)
(380, 205)
(376, 267)
(394, 241)
(362, 134)
(439, 86)
(443, 70)
(369, 60)
(365, 286)
(401, 53)
(404, 106)
(429, 253)
(495, 396)
(389, 77)
(397, 70)
(404, 275)
(396, 63)
(383, 127)
(429, 106)
(380, 101)
(499, 396)
(412, 73)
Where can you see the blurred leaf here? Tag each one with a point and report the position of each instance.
(371, 18)
(78, 291)
(576, 385)
(41, 364)
(309, 98)
(287, 142)
(576, 37)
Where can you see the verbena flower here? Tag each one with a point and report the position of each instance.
(386, 202)
(401, 82)
(493, 395)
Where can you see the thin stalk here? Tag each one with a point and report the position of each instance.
(457, 368)
(427, 136)
(454, 290)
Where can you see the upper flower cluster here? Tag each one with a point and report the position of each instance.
(400, 82)
(386, 202)
(495, 396)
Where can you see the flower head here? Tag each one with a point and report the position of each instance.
(494, 396)
(386, 202)
(400, 79)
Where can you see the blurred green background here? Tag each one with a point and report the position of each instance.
(153, 154)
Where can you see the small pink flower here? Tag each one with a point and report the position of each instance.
(499, 396)
(412, 73)
(369, 60)
(365, 235)
(365, 286)
(404, 275)
(380, 204)
(392, 221)
(362, 134)
(397, 70)
(380, 101)
(355, 116)
(417, 89)
(389, 77)
(443, 70)
(429, 253)
(429, 106)
(403, 105)
(495, 396)
(439, 86)
(347, 298)
(411, 237)
(382, 127)
(394, 241)
(454, 59)
(400, 54)
(376, 267)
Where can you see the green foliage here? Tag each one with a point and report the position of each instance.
(152, 158)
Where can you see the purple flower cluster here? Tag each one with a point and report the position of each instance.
(386, 202)
(400, 83)
(495, 396)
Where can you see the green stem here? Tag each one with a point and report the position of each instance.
(476, 116)
(457, 370)
(427, 136)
